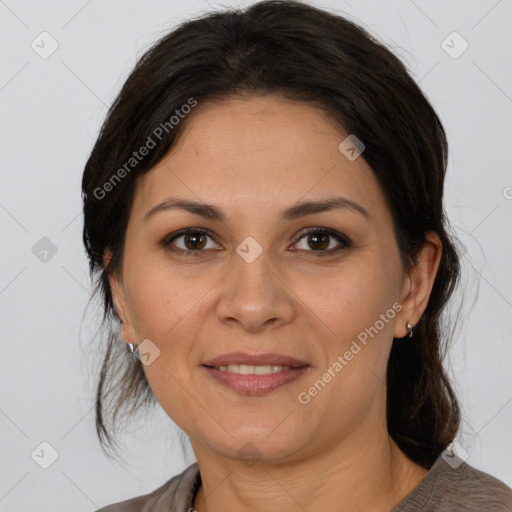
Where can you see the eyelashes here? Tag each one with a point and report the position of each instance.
(343, 241)
(198, 235)
(198, 232)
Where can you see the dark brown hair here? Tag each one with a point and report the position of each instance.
(307, 54)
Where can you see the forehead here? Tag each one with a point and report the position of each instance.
(243, 153)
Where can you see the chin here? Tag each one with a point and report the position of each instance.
(250, 444)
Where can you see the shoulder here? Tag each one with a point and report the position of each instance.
(175, 495)
(476, 489)
(452, 487)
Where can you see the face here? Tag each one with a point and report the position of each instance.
(323, 287)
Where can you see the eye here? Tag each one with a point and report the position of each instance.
(194, 240)
(318, 239)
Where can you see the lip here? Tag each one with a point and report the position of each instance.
(256, 360)
(253, 384)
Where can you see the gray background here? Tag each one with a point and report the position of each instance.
(51, 110)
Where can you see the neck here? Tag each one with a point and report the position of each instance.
(366, 473)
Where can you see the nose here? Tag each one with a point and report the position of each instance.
(255, 295)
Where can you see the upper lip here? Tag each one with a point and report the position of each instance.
(255, 360)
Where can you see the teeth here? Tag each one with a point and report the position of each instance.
(247, 369)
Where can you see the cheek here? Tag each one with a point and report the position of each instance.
(172, 390)
(162, 300)
(350, 299)
(167, 311)
(354, 313)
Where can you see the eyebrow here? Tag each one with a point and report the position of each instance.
(211, 212)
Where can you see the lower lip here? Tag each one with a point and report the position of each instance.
(256, 384)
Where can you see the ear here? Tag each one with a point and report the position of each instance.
(418, 284)
(119, 297)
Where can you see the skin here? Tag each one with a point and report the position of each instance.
(252, 157)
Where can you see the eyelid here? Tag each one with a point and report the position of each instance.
(166, 242)
(340, 237)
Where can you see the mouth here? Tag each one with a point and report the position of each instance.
(255, 375)
(247, 369)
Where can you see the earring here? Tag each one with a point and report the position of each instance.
(132, 348)
(409, 329)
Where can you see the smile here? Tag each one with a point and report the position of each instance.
(252, 379)
(247, 369)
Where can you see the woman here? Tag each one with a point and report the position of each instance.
(264, 211)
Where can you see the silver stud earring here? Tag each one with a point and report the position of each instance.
(409, 329)
(132, 348)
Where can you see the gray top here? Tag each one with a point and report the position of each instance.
(443, 489)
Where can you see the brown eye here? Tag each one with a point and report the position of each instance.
(319, 239)
(194, 240)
